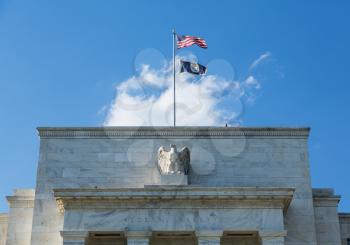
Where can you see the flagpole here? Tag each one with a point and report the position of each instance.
(174, 36)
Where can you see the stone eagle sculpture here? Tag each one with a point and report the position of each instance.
(173, 162)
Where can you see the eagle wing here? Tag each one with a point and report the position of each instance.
(184, 157)
(163, 160)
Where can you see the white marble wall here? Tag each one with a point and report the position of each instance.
(20, 217)
(3, 228)
(270, 161)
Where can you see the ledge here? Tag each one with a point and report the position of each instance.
(173, 197)
(103, 132)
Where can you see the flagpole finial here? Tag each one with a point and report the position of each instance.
(173, 30)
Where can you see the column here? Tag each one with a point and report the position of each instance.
(209, 237)
(138, 237)
(74, 237)
(272, 237)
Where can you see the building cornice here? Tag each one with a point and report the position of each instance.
(344, 218)
(103, 132)
(325, 197)
(326, 201)
(3, 218)
(172, 197)
(21, 201)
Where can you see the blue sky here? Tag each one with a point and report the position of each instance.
(61, 61)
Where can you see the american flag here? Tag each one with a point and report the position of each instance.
(185, 41)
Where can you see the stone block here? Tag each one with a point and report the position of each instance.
(174, 179)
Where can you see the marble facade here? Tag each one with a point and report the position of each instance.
(245, 186)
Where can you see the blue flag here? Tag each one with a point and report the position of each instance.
(193, 68)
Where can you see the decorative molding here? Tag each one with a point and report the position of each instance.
(173, 197)
(3, 218)
(21, 201)
(326, 201)
(60, 205)
(139, 132)
(344, 218)
(325, 197)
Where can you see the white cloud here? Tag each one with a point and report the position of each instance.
(253, 82)
(261, 58)
(147, 99)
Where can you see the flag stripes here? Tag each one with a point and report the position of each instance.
(186, 41)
